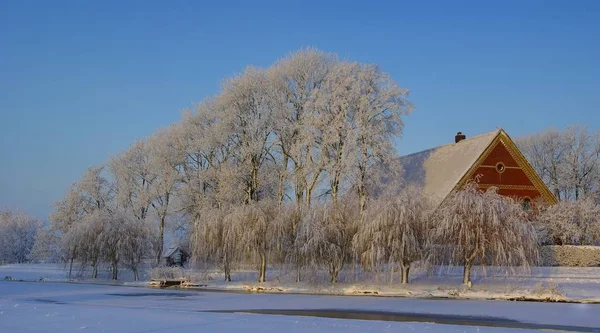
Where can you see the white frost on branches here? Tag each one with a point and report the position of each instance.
(17, 236)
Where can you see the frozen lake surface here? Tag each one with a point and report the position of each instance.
(71, 307)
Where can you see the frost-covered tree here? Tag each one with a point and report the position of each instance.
(96, 223)
(87, 237)
(95, 190)
(210, 240)
(568, 161)
(582, 162)
(287, 227)
(17, 236)
(394, 232)
(545, 152)
(333, 117)
(205, 148)
(296, 81)
(325, 236)
(164, 163)
(91, 194)
(47, 246)
(110, 238)
(571, 222)
(253, 227)
(247, 118)
(136, 242)
(378, 117)
(471, 226)
(133, 178)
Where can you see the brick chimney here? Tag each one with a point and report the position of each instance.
(459, 137)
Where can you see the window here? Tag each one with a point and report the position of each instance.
(500, 167)
(526, 204)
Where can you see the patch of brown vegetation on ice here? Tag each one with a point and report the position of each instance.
(262, 289)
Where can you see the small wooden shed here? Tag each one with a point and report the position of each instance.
(175, 256)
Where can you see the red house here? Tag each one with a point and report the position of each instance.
(492, 158)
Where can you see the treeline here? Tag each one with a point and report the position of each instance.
(309, 129)
(568, 162)
(392, 234)
(17, 236)
(293, 165)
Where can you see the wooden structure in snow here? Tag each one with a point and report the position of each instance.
(491, 159)
(175, 256)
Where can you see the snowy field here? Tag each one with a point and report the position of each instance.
(67, 307)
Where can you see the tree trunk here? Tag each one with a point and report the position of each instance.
(227, 274)
(334, 193)
(254, 186)
(362, 202)
(334, 278)
(263, 268)
(70, 267)
(95, 271)
(161, 237)
(405, 272)
(333, 273)
(135, 275)
(335, 184)
(282, 178)
(280, 193)
(467, 273)
(226, 268)
(298, 188)
(115, 271)
(298, 275)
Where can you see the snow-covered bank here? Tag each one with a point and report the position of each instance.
(572, 293)
(558, 284)
(554, 284)
(59, 273)
(62, 307)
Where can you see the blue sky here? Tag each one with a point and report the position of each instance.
(80, 80)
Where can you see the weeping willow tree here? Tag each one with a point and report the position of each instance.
(325, 236)
(289, 218)
(252, 227)
(394, 232)
(209, 240)
(475, 226)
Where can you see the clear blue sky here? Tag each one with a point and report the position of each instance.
(80, 80)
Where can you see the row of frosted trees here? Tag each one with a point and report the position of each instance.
(294, 164)
(394, 232)
(567, 160)
(569, 163)
(309, 129)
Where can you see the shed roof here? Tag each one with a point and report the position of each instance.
(171, 250)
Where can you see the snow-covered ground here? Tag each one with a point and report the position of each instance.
(59, 272)
(66, 307)
(555, 283)
(541, 283)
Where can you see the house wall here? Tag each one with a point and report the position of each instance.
(500, 169)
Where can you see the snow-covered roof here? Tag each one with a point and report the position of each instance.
(438, 170)
(171, 250)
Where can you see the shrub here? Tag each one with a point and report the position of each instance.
(159, 273)
(570, 256)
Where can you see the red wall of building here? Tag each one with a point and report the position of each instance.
(511, 181)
